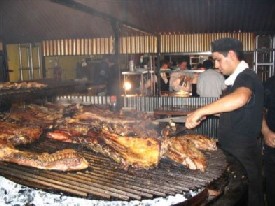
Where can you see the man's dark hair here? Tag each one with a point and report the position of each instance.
(164, 62)
(183, 60)
(207, 64)
(224, 45)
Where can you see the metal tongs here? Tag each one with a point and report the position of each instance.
(171, 129)
(171, 120)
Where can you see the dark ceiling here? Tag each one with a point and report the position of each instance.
(36, 20)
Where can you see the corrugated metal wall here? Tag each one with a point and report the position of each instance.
(170, 43)
(138, 44)
(90, 46)
(148, 104)
(177, 43)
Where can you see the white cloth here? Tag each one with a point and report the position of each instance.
(164, 77)
(231, 79)
(210, 84)
(175, 81)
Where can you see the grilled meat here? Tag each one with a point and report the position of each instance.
(201, 142)
(34, 115)
(64, 160)
(14, 134)
(117, 137)
(20, 85)
(129, 151)
(125, 139)
(104, 114)
(184, 152)
(141, 152)
(132, 142)
(120, 124)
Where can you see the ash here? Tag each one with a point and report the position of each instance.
(13, 194)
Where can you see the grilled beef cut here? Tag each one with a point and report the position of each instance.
(45, 116)
(64, 160)
(201, 142)
(184, 152)
(21, 85)
(103, 114)
(129, 151)
(124, 123)
(35, 115)
(14, 134)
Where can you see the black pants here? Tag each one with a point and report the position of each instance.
(251, 160)
(269, 169)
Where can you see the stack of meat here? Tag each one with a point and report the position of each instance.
(131, 139)
(128, 138)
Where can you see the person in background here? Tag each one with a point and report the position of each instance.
(57, 70)
(164, 80)
(210, 82)
(112, 85)
(240, 112)
(101, 73)
(268, 131)
(180, 81)
(199, 66)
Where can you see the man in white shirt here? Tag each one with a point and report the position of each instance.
(180, 81)
(211, 82)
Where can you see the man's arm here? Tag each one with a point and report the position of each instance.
(269, 136)
(228, 103)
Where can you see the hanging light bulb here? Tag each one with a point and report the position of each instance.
(127, 86)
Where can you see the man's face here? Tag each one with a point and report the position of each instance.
(164, 66)
(183, 66)
(223, 63)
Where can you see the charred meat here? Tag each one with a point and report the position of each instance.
(132, 142)
(64, 160)
(201, 142)
(129, 151)
(14, 134)
(184, 152)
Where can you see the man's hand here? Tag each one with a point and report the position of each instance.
(194, 119)
(269, 139)
(269, 135)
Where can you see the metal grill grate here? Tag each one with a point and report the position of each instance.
(104, 179)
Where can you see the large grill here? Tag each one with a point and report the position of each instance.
(104, 179)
